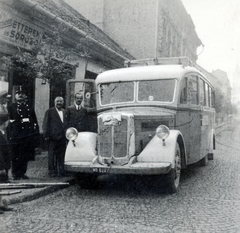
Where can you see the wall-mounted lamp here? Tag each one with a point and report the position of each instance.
(202, 50)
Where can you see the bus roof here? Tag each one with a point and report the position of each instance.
(151, 72)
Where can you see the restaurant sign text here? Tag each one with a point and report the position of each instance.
(18, 31)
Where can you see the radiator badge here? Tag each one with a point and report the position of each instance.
(113, 119)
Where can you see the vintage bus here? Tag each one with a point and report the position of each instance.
(154, 117)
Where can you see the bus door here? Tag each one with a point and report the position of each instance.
(88, 89)
(206, 117)
(195, 119)
(183, 120)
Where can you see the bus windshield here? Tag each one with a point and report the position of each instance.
(156, 90)
(116, 92)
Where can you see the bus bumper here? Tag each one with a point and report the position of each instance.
(138, 168)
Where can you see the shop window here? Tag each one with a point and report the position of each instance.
(58, 83)
(90, 75)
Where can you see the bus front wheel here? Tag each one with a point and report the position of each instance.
(173, 177)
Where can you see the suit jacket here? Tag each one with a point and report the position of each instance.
(5, 156)
(23, 125)
(77, 118)
(53, 127)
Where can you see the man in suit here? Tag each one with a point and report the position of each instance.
(23, 131)
(5, 156)
(54, 127)
(77, 115)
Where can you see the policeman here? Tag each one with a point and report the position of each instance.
(23, 131)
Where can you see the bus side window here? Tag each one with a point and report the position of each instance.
(193, 90)
(211, 99)
(207, 94)
(202, 93)
(183, 94)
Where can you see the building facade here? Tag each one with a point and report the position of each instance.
(223, 92)
(24, 23)
(236, 87)
(222, 77)
(145, 28)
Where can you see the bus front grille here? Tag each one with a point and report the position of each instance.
(113, 139)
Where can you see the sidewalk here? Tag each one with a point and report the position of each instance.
(37, 173)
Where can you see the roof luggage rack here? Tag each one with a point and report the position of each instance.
(185, 61)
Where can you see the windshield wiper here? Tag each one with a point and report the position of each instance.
(114, 87)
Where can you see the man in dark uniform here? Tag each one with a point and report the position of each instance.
(23, 133)
(77, 115)
(54, 127)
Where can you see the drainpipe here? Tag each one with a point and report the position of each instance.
(54, 18)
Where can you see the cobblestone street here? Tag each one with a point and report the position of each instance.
(119, 116)
(208, 200)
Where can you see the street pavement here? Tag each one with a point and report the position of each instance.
(38, 173)
(208, 200)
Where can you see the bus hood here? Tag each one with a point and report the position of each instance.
(142, 111)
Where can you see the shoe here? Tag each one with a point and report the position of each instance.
(16, 178)
(52, 175)
(5, 208)
(25, 177)
(63, 175)
(3, 178)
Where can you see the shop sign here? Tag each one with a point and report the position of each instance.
(19, 32)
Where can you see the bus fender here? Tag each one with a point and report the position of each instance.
(82, 149)
(157, 151)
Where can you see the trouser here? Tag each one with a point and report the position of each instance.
(5, 161)
(20, 154)
(56, 153)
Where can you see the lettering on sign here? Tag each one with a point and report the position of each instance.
(24, 34)
(19, 32)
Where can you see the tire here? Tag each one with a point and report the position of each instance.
(173, 177)
(204, 161)
(87, 181)
(210, 156)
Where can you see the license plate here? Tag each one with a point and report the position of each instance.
(100, 169)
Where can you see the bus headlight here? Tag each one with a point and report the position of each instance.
(162, 132)
(71, 134)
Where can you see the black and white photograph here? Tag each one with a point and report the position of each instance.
(119, 116)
